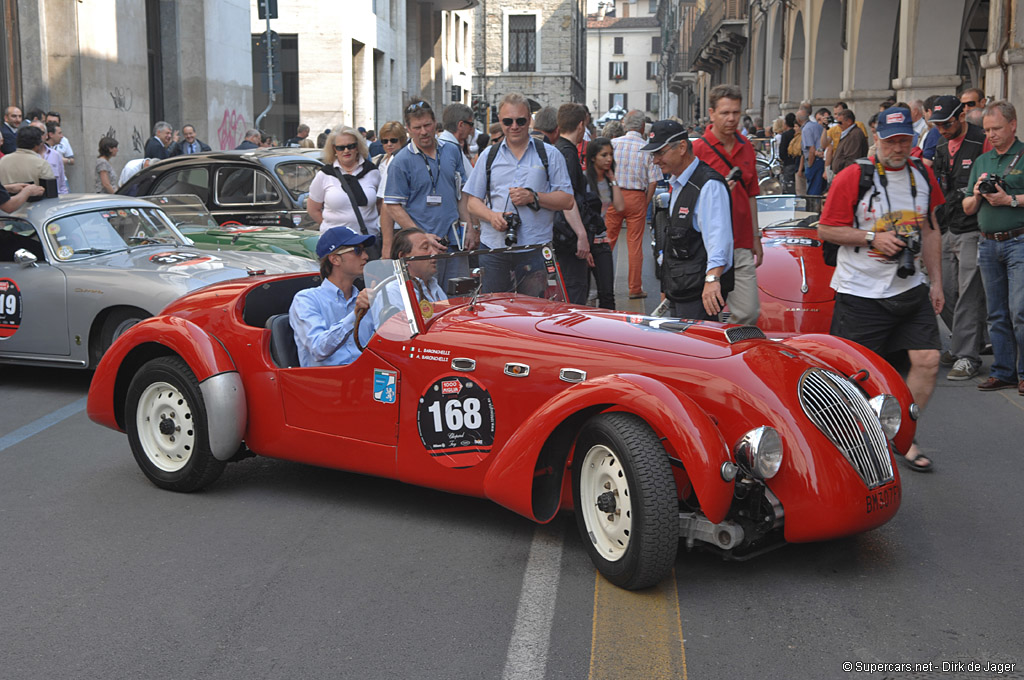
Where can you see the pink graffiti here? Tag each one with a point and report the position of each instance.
(231, 129)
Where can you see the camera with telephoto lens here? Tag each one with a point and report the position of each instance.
(735, 175)
(992, 184)
(514, 221)
(905, 258)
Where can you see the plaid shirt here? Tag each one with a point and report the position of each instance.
(634, 169)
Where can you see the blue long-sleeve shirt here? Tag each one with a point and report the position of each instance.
(322, 319)
(713, 219)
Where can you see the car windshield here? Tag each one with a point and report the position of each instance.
(780, 209)
(296, 177)
(80, 235)
(184, 210)
(442, 282)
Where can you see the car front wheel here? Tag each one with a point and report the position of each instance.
(165, 417)
(627, 510)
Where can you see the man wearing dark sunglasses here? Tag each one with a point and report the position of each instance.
(972, 97)
(424, 189)
(964, 313)
(519, 181)
(323, 318)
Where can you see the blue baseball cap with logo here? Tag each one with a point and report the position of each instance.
(894, 121)
(340, 237)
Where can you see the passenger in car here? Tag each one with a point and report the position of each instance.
(324, 317)
(409, 242)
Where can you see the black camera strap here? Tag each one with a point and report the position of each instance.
(1014, 162)
(720, 154)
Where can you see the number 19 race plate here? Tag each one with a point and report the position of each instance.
(455, 417)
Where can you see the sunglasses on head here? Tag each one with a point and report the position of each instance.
(390, 140)
(345, 147)
(417, 105)
(507, 122)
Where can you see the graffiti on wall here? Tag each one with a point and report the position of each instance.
(231, 130)
(137, 141)
(122, 97)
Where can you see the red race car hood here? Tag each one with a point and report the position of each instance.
(705, 339)
(793, 261)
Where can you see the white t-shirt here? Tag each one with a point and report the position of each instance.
(863, 271)
(338, 210)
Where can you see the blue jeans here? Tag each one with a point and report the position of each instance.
(514, 272)
(815, 173)
(1002, 271)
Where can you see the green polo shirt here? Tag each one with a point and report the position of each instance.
(992, 219)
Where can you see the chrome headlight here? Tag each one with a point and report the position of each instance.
(889, 413)
(759, 452)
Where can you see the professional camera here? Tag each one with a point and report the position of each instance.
(992, 184)
(514, 222)
(735, 175)
(905, 258)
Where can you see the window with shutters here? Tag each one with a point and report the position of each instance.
(618, 46)
(522, 42)
(618, 70)
(653, 102)
(619, 100)
(655, 44)
(652, 70)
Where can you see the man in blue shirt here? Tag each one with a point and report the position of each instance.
(323, 318)
(697, 247)
(424, 187)
(814, 164)
(519, 184)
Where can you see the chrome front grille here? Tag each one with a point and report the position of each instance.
(843, 414)
(744, 333)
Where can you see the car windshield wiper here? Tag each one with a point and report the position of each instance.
(92, 251)
(143, 240)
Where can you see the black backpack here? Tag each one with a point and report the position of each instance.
(829, 251)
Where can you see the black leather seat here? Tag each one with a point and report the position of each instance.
(282, 342)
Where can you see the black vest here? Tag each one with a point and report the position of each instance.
(685, 259)
(953, 174)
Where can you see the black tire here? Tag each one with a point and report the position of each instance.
(165, 417)
(637, 548)
(116, 323)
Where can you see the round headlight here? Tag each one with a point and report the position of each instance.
(759, 452)
(889, 413)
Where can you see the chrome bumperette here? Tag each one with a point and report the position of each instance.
(843, 414)
(224, 398)
(696, 527)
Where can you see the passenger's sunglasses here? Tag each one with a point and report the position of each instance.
(345, 147)
(497, 140)
(390, 140)
(507, 122)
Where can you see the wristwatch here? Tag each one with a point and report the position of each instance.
(711, 278)
(869, 236)
(1013, 201)
(536, 199)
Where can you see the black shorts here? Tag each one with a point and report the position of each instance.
(902, 322)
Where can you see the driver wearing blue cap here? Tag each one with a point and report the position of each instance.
(324, 317)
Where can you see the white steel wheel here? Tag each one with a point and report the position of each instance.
(166, 430)
(607, 509)
(165, 417)
(627, 507)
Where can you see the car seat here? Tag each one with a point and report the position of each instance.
(283, 350)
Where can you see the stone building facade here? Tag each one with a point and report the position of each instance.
(115, 67)
(624, 57)
(531, 46)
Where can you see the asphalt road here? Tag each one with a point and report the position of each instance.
(284, 571)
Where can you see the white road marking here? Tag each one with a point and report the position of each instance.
(37, 426)
(527, 656)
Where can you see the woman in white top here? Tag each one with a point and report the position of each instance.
(393, 137)
(329, 203)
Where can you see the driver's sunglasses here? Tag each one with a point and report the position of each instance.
(507, 122)
(358, 250)
(390, 140)
(345, 147)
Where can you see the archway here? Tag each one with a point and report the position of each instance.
(797, 57)
(974, 43)
(828, 61)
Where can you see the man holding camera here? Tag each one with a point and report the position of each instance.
(514, 190)
(884, 301)
(997, 181)
(734, 158)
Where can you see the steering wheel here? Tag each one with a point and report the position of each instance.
(361, 313)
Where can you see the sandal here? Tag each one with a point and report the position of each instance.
(916, 463)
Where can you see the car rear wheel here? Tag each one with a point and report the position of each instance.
(627, 510)
(165, 417)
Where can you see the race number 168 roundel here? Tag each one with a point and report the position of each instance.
(10, 308)
(455, 417)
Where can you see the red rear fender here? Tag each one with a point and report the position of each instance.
(153, 337)
(526, 476)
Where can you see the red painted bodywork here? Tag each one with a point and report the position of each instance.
(787, 310)
(698, 392)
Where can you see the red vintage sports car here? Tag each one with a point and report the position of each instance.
(653, 429)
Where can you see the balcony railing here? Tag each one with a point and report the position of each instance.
(711, 20)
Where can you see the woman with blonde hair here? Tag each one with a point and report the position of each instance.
(344, 192)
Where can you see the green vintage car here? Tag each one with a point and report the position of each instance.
(193, 220)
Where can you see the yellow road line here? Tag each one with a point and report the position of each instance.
(637, 634)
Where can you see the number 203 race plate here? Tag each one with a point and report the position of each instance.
(455, 418)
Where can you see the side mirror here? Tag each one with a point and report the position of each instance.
(24, 258)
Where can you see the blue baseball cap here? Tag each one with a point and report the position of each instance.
(894, 121)
(340, 237)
